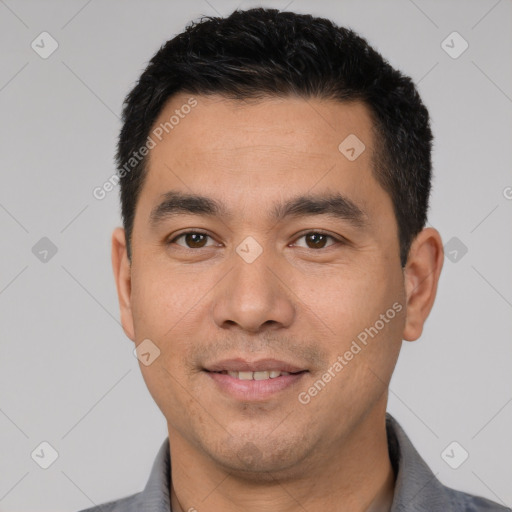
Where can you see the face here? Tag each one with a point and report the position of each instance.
(266, 269)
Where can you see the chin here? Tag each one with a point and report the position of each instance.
(262, 459)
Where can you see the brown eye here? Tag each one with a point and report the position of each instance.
(192, 239)
(314, 240)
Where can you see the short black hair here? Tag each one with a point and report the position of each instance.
(260, 53)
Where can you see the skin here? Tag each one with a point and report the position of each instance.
(296, 302)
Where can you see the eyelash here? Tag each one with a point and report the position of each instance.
(313, 232)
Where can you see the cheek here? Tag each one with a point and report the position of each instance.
(170, 308)
(162, 301)
(164, 307)
(362, 356)
(169, 391)
(365, 313)
(347, 302)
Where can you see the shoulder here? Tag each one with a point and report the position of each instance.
(465, 502)
(417, 488)
(154, 497)
(127, 504)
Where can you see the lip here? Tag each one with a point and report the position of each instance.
(253, 390)
(242, 365)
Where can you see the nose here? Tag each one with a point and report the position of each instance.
(254, 297)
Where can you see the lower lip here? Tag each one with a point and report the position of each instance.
(253, 390)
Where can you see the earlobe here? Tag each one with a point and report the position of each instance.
(122, 276)
(421, 274)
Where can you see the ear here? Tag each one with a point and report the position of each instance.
(122, 275)
(422, 271)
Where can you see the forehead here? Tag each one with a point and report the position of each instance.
(242, 151)
(309, 126)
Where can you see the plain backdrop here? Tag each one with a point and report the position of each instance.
(68, 376)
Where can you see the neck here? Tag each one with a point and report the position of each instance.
(355, 474)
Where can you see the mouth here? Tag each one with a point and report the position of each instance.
(260, 375)
(254, 381)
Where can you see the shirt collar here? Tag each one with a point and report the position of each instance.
(155, 496)
(416, 487)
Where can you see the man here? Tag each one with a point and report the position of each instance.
(275, 175)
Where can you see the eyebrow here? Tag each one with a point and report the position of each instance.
(335, 205)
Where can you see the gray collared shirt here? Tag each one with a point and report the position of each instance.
(416, 488)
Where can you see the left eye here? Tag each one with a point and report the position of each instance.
(192, 239)
(316, 240)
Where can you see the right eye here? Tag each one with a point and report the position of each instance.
(192, 240)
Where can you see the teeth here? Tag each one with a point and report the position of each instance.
(271, 374)
(261, 375)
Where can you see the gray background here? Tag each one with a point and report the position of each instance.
(67, 372)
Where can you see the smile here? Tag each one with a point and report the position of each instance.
(254, 386)
(262, 375)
